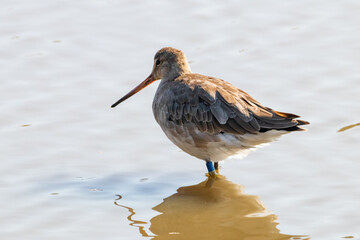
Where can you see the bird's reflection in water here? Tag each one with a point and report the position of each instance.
(214, 210)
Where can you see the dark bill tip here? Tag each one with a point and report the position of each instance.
(117, 103)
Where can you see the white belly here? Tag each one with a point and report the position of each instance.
(216, 147)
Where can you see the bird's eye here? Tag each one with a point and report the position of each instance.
(157, 62)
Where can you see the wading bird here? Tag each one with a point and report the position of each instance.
(207, 117)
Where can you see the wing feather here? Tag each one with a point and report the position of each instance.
(215, 106)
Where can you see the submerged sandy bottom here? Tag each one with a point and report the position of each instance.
(67, 157)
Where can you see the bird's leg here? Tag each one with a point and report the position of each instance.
(211, 169)
(216, 165)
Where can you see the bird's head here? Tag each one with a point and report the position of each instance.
(169, 63)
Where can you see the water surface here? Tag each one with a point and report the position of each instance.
(66, 155)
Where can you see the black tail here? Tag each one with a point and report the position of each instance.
(291, 117)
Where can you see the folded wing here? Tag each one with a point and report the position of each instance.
(215, 106)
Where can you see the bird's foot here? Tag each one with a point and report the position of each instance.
(214, 175)
(211, 174)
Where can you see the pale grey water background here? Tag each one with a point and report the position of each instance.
(63, 63)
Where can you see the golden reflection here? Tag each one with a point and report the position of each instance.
(134, 223)
(348, 127)
(213, 209)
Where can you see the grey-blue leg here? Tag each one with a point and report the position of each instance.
(216, 165)
(211, 169)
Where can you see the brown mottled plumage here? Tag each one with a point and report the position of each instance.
(207, 117)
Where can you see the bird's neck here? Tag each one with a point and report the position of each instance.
(181, 68)
(184, 67)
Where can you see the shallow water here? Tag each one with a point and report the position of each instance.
(67, 157)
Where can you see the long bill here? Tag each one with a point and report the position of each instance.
(150, 79)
